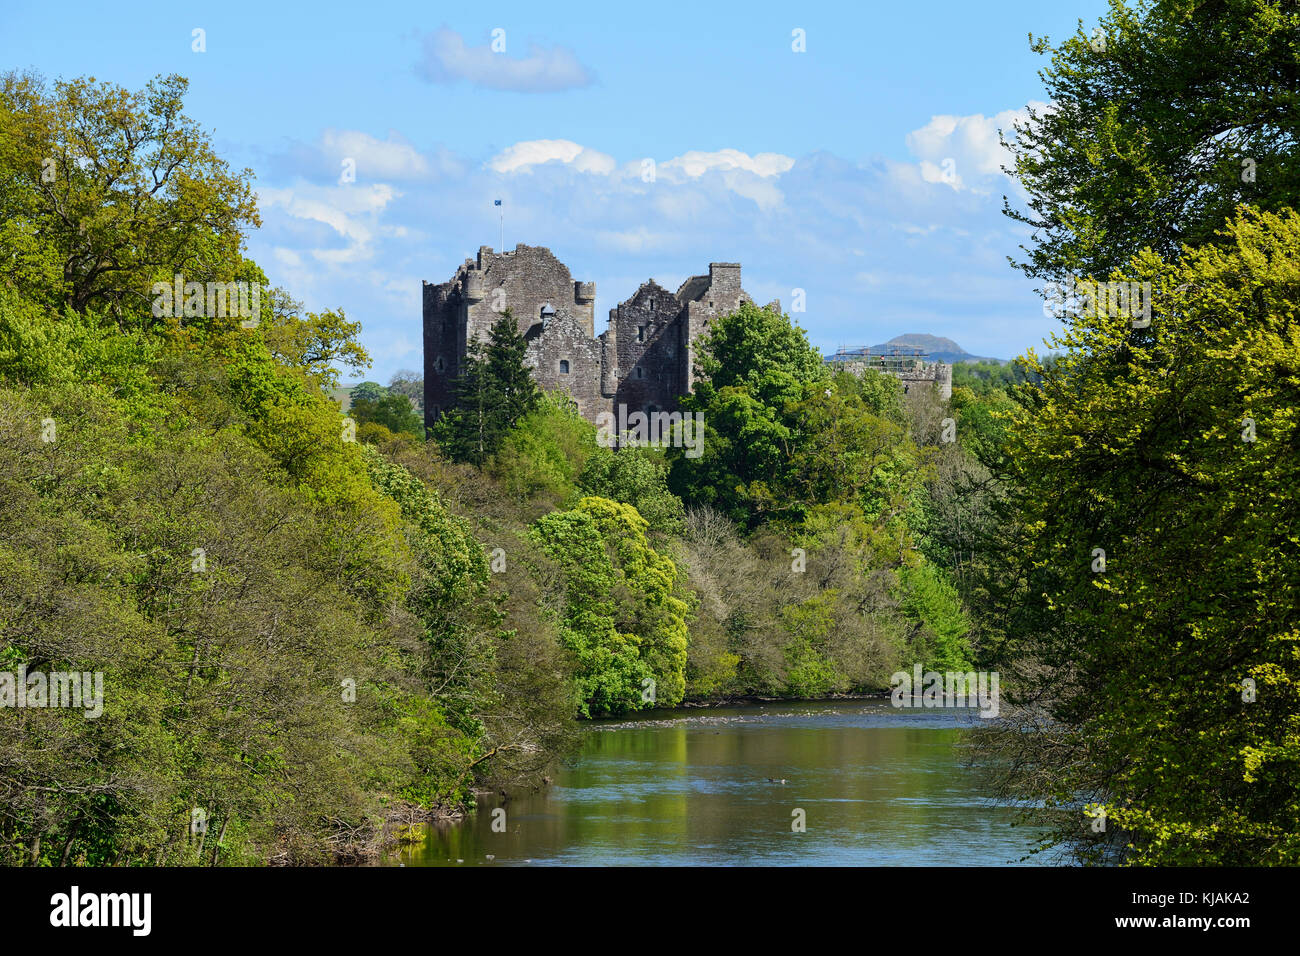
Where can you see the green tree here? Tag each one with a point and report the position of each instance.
(1169, 675)
(392, 410)
(621, 617)
(754, 368)
(638, 477)
(368, 392)
(108, 191)
(544, 453)
(494, 390)
(1161, 122)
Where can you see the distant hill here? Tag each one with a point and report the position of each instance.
(937, 347)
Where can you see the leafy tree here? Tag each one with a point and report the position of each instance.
(1160, 124)
(638, 477)
(933, 605)
(316, 342)
(1169, 677)
(621, 616)
(493, 391)
(392, 410)
(754, 368)
(408, 383)
(543, 454)
(108, 191)
(368, 392)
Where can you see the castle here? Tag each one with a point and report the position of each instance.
(644, 361)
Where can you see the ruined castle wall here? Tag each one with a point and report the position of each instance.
(645, 357)
(721, 295)
(524, 281)
(442, 348)
(937, 374)
(648, 347)
(564, 356)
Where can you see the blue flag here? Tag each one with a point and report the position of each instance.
(496, 202)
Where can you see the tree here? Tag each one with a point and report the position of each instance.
(1161, 122)
(543, 455)
(638, 477)
(754, 368)
(392, 410)
(621, 616)
(408, 383)
(367, 392)
(316, 342)
(494, 390)
(111, 192)
(1149, 582)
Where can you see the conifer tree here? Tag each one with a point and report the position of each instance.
(494, 390)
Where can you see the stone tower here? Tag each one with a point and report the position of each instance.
(644, 360)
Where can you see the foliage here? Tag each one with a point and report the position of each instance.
(107, 191)
(493, 391)
(543, 454)
(1159, 126)
(1172, 677)
(621, 617)
(637, 476)
(392, 410)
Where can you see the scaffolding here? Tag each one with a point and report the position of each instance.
(890, 358)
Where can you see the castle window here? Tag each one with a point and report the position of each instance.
(564, 366)
(652, 305)
(639, 372)
(439, 364)
(640, 333)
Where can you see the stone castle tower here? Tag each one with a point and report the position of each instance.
(644, 359)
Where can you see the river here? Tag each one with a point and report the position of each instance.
(876, 786)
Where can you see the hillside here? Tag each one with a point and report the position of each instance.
(939, 348)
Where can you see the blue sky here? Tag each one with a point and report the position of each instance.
(863, 170)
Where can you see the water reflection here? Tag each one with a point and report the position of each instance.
(878, 786)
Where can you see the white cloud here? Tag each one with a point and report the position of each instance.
(880, 246)
(521, 157)
(695, 163)
(970, 142)
(447, 59)
(394, 158)
(351, 211)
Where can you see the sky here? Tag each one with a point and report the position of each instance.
(848, 150)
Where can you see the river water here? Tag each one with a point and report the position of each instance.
(876, 786)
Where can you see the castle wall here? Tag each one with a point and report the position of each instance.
(442, 353)
(564, 356)
(937, 374)
(466, 307)
(719, 294)
(645, 358)
(648, 349)
(524, 281)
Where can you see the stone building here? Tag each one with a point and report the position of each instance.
(908, 365)
(643, 360)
